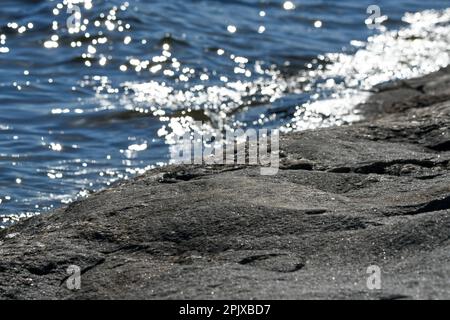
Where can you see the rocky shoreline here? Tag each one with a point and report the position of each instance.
(345, 198)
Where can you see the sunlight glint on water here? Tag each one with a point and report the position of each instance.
(85, 107)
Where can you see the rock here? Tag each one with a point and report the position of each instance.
(345, 198)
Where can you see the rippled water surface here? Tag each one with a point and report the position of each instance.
(84, 106)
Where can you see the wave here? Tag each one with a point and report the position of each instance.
(326, 93)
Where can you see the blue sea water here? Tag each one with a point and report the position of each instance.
(85, 107)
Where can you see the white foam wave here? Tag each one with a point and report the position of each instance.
(336, 86)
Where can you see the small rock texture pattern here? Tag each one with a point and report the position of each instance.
(345, 198)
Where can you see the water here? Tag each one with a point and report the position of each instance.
(84, 109)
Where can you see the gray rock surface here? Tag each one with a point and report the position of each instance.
(373, 193)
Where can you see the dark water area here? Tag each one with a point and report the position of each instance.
(101, 102)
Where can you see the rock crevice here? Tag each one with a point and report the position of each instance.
(373, 193)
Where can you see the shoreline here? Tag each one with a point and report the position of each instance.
(346, 198)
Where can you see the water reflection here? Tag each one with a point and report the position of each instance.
(100, 99)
